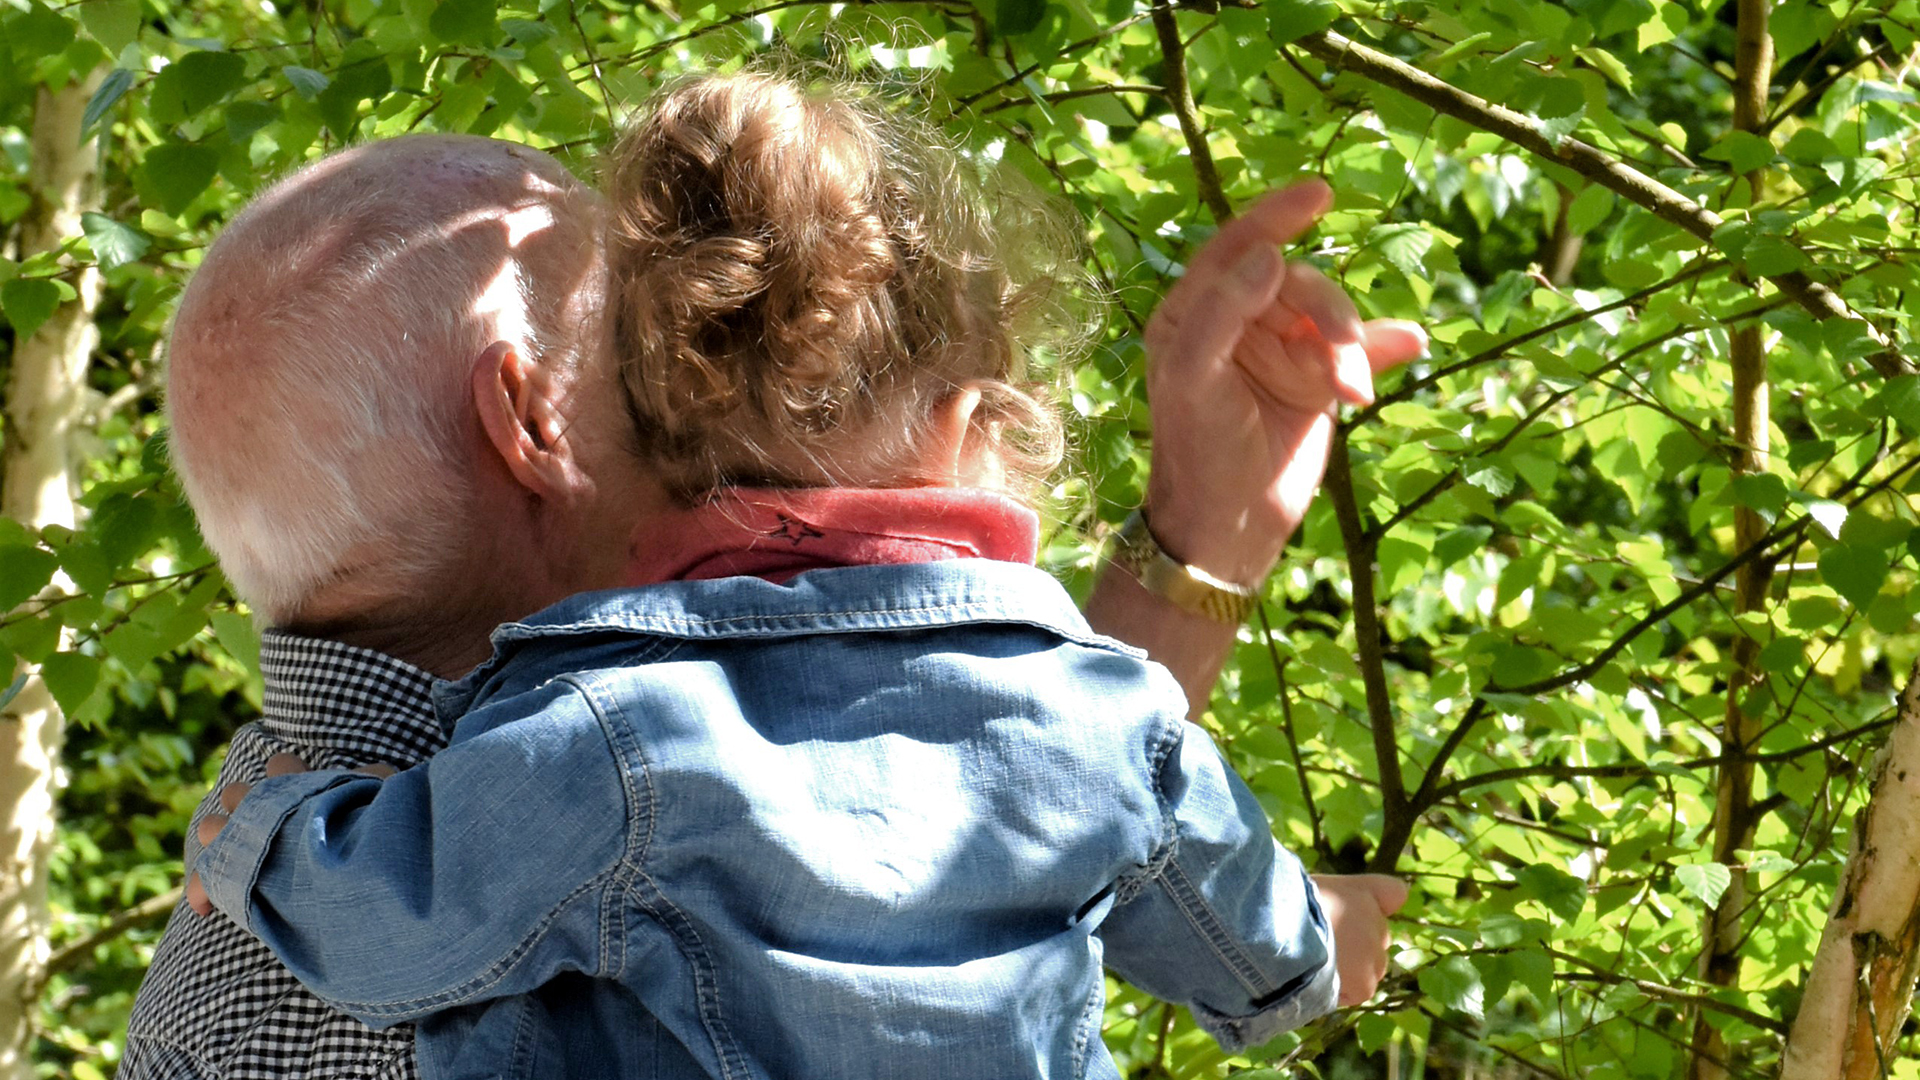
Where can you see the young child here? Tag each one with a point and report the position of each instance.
(844, 786)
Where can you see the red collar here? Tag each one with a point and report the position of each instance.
(777, 533)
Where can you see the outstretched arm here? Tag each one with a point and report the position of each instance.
(1248, 356)
(467, 878)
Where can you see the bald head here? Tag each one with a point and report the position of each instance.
(317, 379)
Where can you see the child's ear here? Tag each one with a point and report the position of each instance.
(953, 451)
(515, 399)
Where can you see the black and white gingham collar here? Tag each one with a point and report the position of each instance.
(325, 696)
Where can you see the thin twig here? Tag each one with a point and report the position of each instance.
(1589, 161)
(1206, 175)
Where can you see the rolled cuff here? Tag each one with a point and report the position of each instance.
(1293, 1006)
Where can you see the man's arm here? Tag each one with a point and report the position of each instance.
(1247, 357)
(464, 879)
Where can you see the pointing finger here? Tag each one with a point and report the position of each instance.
(1276, 219)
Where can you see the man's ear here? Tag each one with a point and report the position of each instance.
(515, 399)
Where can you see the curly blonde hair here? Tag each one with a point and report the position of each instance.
(801, 273)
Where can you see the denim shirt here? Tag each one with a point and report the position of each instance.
(877, 821)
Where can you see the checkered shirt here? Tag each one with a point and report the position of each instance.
(216, 1005)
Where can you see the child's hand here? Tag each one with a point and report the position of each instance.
(230, 796)
(1357, 906)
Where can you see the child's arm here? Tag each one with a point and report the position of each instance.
(483, 873)
(1223, 919)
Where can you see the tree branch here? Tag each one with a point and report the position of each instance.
(1589, 161)
(152, 909)
(1179, 95)
(1360, 545)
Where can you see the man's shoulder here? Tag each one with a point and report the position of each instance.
(216, 1005)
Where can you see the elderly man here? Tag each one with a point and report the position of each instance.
(390, 414)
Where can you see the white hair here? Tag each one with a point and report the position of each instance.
(318, 368)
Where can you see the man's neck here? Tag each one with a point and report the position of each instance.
(448, 648)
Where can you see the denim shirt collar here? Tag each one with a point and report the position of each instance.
(855, 599)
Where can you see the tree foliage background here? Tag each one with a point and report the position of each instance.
(1587, 637)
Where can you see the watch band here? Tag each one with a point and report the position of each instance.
(1187, 587)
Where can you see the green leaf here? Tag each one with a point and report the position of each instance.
(1460, 543)
(1290, 20)
(1768, 256)
(178, 173)
(190, 84)
(1403, 244)
(1454, 982)
(1705, 882)
(1561, 892)
(306, 82)
(113, 23)
(1493, 480)
(24, 571)
(71, 679)
(1373, 1030)
(1402, 563)
(38, 33)
(1809, 147)
(113, 243)
(1589, 209)
(1015, 17)
(1763, 493)
(464, 22)
(28, 303)
(237, 634)
(84, 562)
(340, 103)
(111, 89)
(1746, 151)
(1533, 969)
(527, 32)
(1855, 572)
(1812, 612)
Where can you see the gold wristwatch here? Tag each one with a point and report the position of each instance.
(1186, 587)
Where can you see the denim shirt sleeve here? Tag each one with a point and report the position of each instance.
(1222, 919)
(480, 874)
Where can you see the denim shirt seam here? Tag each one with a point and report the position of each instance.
(1207, 922)
(811, 621)
(610, 927)
(501, 968)
(479, 984)
(706, 989)
(645, 891)
(1133, 883)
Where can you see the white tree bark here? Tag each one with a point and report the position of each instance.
(1861, 987)
(44, 403)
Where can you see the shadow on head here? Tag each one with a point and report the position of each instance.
(318, 376)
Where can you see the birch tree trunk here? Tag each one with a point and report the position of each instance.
(1861, 987)
(1736, 815)
(44, 402)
